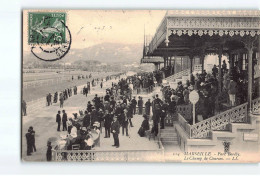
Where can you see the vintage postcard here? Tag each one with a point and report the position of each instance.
(140, 86)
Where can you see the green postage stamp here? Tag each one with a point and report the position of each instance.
(46, 27)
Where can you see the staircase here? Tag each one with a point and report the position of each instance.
(169, 136)
(182, 76)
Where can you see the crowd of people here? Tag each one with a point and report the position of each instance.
(233, 92)
(62, 96)
(114, 116)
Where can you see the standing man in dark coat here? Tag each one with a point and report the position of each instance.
(86, 119)
(115, 130)
(89, 106)
(48, 154)
(107, 124)
(33, 138)
(163, 114)
(140, 106)
(58, 120)
(64, 120)
(29, 140)
(134, 103)
(148, 105)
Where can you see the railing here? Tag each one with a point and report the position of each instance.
(108, 155)
(178, 75)
(184, 124)
(41, 83)
(256, 106)
(198, 68)
(185, 111)
(219, 122)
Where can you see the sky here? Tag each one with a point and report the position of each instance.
(92, 27)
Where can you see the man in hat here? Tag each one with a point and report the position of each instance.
(115, 131)
(134, 103)
(29, 141)
(48, 154)
(94, 116)
(58, 120)
(89, 106)
(86, 120)
(140, 105)
(107, 97)
(69, 125)
(148, 105)
(163, 114)
(64, 120)
(108, 119)
(124, 121)
(33, 138)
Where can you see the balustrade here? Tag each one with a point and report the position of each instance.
(219, 122)
(112, 155)
(184, 124)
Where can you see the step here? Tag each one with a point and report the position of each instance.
(169, 139)
(168, 130)
(170, 142)
(168, 135)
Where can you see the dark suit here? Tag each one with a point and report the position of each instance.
(107, 124)
(133, 103)
(64, 121)
(29, 141)
(58, 120)
(115, 130)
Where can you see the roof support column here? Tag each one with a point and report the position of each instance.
(191, 63)
(249, 44)
(219, 69)
(156, 66)
(171, 65)
(164, 62)
(181, 64)
(174, 64)
(250, 74)
(202, 57)
(240, 61)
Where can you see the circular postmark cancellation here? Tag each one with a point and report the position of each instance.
(49, 37)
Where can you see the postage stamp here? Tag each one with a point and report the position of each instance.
(48, 35)
(47, 27)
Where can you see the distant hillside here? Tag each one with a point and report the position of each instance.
(106, 53)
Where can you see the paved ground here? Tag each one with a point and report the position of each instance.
(44, 124)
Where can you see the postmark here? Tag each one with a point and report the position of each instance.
(49, 37)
